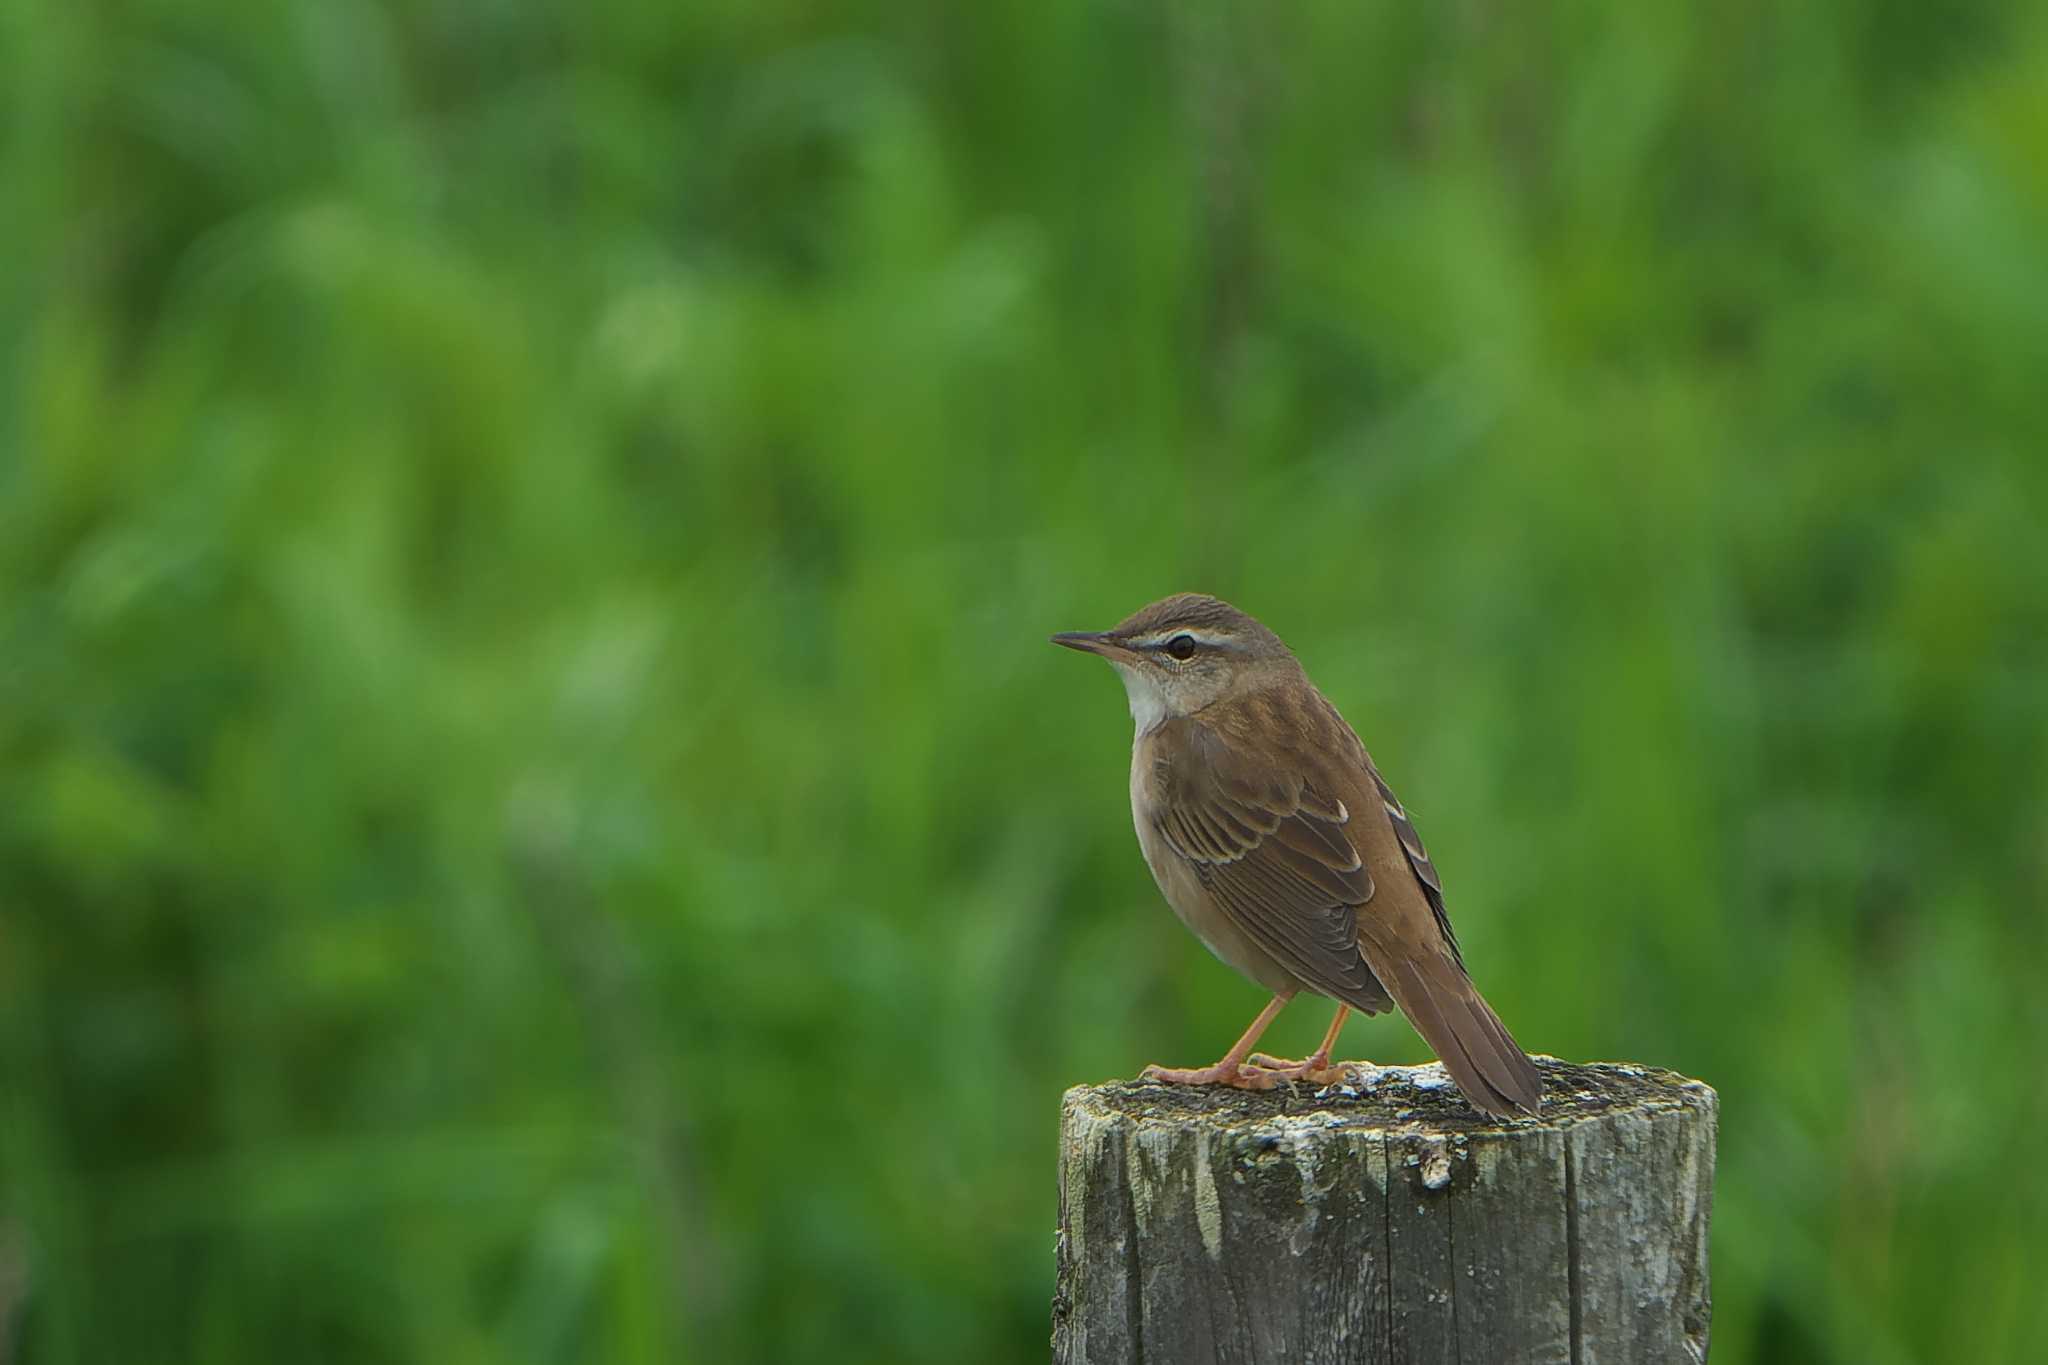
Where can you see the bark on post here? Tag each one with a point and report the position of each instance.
(1386, 1221)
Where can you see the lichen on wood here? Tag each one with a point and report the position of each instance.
(1386, 1221)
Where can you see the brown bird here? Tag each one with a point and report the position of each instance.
(1276, 840)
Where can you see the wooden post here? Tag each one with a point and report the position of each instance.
(1386, 1221)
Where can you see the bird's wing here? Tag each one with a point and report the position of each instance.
(1275, 849)
(1418, 858)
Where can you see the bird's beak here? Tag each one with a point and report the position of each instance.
(1093, 642)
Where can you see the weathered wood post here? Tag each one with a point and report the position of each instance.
(1385, 1222)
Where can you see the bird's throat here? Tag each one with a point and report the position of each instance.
(1148, 703)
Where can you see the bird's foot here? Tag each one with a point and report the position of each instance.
(1317, 1069)
(1242, 1075)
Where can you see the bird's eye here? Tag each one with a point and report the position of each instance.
(1181, 647)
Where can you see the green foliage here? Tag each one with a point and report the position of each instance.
(537, 819)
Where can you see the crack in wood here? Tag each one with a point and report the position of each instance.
(1576, 1237)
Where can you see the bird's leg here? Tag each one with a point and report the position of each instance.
(1232, 1069)
(1316, 1067)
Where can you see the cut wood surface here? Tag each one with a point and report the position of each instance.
(1385, 1220)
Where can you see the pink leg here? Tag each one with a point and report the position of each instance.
(1315, 1067)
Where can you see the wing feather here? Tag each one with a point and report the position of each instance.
(1418, 859)
(1275, 853)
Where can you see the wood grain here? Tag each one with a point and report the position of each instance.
(1386, 1221)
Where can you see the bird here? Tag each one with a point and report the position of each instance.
(1273, 837)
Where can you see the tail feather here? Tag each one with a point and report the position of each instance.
(1491, 1069)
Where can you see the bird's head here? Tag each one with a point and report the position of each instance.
(1185, 652)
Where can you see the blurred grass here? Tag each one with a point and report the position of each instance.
(536, 818)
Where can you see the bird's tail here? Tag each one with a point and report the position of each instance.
(1438, 997)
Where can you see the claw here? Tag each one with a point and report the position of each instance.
(1316, 1070)
(1243, 1077)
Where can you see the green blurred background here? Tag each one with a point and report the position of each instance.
(537, 818)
